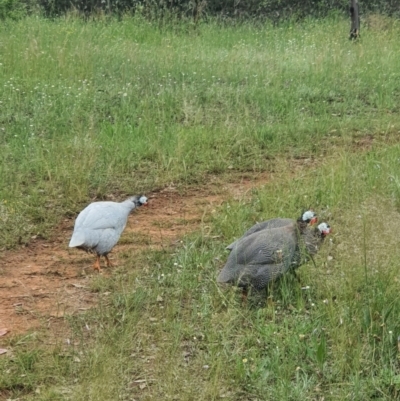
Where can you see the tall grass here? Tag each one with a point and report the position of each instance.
(90, 109)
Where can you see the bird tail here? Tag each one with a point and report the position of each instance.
(224, 276)
(78, 239)
(231, 246)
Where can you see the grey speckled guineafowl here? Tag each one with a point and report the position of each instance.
(308, 217)
(265, 255)
(98, 227)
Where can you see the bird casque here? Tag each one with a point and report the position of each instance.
(98, 227)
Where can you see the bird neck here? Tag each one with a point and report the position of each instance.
(301, 226)
(129, 204)
(312, 238)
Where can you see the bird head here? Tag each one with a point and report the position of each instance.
(138, 200)
(143, 200)
(309, 217)
(324, 229)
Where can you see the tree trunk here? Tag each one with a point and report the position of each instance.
(355, 20)
(198, 8)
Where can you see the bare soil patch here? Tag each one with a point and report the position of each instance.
(45, 281)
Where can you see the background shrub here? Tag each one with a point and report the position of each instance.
(275, 10)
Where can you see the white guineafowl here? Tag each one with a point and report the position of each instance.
(98, 227)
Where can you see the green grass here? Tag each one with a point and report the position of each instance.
(110, 107)
(201, 102)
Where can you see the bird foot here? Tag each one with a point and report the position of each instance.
(96, 264)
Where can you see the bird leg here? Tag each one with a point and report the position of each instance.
(96, 265)
(109, 264)
(244, 295)
(296, 276)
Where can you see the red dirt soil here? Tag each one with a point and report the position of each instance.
(45, 281)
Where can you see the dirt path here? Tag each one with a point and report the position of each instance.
(45, 281)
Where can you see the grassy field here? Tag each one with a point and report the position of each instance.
(112, 107)
(116, 107)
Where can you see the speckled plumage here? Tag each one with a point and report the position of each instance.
(267, 254)
(307, 217)
(265, 225)
(98, 227)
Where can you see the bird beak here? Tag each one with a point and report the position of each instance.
(314, 220)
